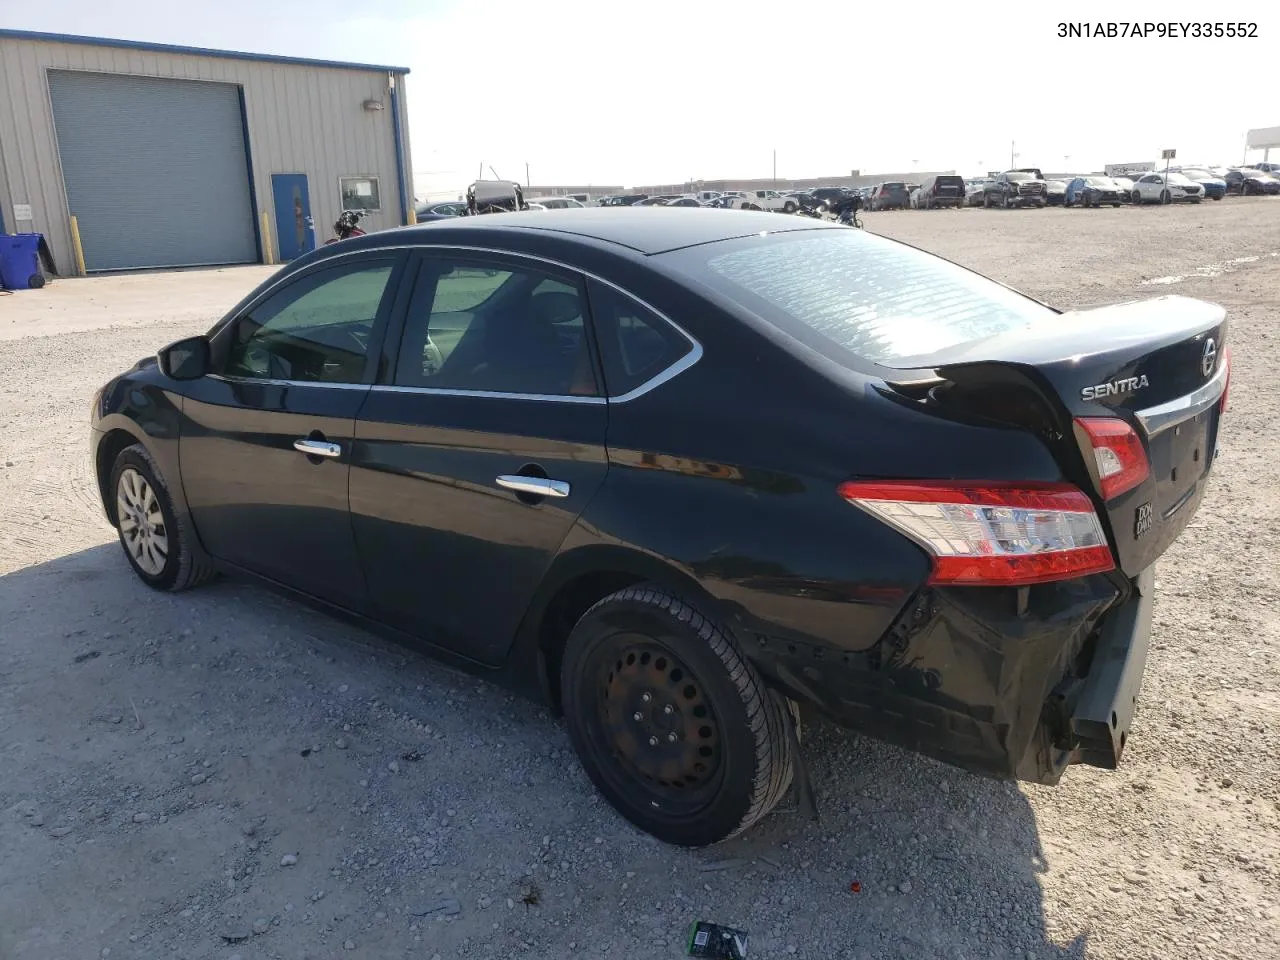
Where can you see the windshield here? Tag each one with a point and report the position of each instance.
(1102, 182)
(1018, 176)
(1179, 179)
(849, 294)
(1195, 173)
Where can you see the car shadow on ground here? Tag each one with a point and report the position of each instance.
(153, 727)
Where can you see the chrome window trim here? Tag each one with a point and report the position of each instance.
(1155, 420)
(492, 394)
(273, 382)
(657, 380)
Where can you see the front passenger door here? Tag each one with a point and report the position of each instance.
(265, 444)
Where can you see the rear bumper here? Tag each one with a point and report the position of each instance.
(1006, 683)
(1108, 697)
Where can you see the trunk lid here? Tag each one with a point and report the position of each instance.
(1159, 365)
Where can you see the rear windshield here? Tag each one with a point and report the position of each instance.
(850, 294)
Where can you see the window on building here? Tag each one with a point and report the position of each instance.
(360, 193)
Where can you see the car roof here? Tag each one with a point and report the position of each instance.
(646, 230)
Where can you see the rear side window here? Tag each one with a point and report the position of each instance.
(849, 294)
(636, 344)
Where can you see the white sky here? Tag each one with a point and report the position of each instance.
(613, 92)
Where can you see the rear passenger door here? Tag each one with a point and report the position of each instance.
(479, 447)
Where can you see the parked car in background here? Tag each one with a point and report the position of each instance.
(441, 208)
(913, 198)
(1166, 188)
(942, 190)
(1055, 192)
(1247, 182)
(1015, 188)
(773, 200)
(734, 202)
(1093, 192)
(891, 195)
(558, 203)
(831, 195)
(1266, 167)
(708, 195)
(1215, 188)
(685, 202)
(623, 200)
(975, 190)
(461, 436)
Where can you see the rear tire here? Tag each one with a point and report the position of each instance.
(672, 724)
(159, 543)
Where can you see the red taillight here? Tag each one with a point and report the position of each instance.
(1226, 387)
(1118, 452)
(992, 534)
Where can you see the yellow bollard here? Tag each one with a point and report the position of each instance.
(77, 247)
(268, 254)
(413, 216)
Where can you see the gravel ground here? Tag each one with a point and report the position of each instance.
(225, 773)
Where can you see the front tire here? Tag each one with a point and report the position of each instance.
(159, 543)
(671, 722)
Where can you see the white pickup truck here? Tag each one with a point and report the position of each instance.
(771, 200)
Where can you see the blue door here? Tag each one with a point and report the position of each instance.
(295, 233)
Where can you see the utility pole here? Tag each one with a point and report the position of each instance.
(1013, 157)
(526, 173)
(480, 175)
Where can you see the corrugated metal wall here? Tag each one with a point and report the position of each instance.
(300, 118)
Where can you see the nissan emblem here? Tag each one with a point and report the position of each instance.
(1209, 356)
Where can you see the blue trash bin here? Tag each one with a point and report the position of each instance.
(20, 261)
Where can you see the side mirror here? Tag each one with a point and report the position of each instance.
(187, 359)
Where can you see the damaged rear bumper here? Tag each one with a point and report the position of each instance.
(1109, 696)
(1009, 683)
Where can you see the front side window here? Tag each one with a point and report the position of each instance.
(315, 329)
(479, 327)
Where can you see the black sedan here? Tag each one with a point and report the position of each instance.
(682, 475)
(1248, 182)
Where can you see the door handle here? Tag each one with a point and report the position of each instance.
(535, 486)
(317, 448)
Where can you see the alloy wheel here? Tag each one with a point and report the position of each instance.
(142, 526)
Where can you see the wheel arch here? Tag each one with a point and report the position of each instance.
(118, 433)
(117, 430)
(580, 578)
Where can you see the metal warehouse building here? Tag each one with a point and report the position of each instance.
(164, 156)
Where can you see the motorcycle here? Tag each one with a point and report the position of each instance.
(347, 226)
(846, 211)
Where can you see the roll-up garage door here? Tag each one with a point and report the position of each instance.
(155, 170)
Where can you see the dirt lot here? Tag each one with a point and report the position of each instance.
(224, 773)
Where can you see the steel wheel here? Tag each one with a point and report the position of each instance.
(675, 728)
(142, 527)
(660, 725)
